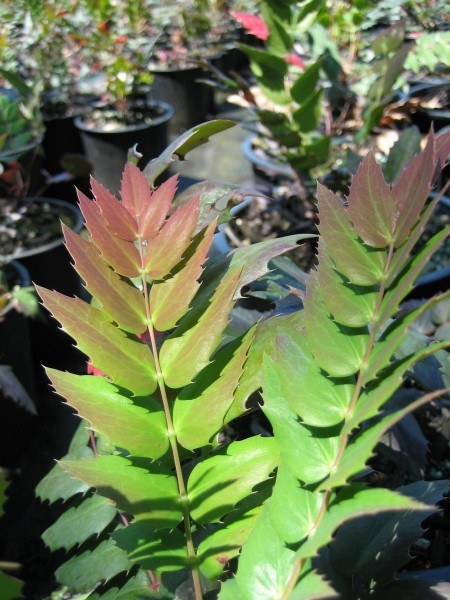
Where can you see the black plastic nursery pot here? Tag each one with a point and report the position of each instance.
(107, 150)
(15, 352)
(191, 99)
(266, 172)
(30, 159)
(62, 138)
(49, 266)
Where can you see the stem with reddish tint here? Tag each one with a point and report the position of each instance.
(192, 558)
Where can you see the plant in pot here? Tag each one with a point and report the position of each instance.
(194, 33)
(41, 43)
(30, 222)
(291, 141)
(118, 49)
(161, 497)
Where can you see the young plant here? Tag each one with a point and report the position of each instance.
(288, 101)
(170, 385)
(329, 371)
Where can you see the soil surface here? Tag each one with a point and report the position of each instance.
(26, 224)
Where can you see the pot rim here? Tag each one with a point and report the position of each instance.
(12, 155)
(9, 258)
(168, 113)
(247, 149)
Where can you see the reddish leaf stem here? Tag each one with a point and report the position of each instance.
(184, 501)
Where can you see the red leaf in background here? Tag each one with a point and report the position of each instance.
(295, 59)
(253, 24)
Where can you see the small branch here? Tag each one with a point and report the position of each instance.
(345, 438)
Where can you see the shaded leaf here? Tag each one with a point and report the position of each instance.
(219, 482)
(149, 494)
(139, 428)
(162, 551)
(350, 502)
(79, 523)
(84, 572)
(207, 400)
(374, 547)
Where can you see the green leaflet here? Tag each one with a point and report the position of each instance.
(147, 493)
(309, 455)
(360, 449)
(263, 548)
(135, 424)
(307, 117)
(57, 484)
(382, 388)
(10, 586)
(251, 379)
(208, 399)
(183, 356)
(219, 482)
(121, 301)
(305, 84)
(156, 550)
(319, 401)
(79, 523)
(350, 502)
(313, 586)
(345, 349)
(127, 361)
(180, 147)
(136, 588)
(402, 286)
(270, 71)
(225, 541)
(83, 573)
(350, 305)
(290, 499)
(392, 337)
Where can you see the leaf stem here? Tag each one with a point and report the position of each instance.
(345, 438)
(192, 558)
